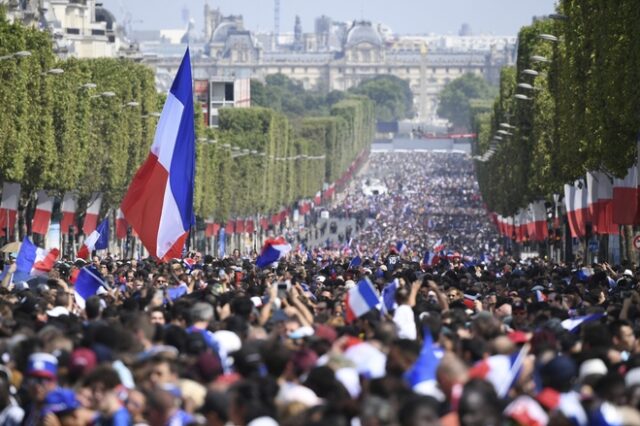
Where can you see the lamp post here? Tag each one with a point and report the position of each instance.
(18, 54)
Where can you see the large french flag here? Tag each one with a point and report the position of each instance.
(272, 251)
(92, 213)
(538, 227)
(68, 208)
(575, 198)
(600, 200)
(360, 300)
(9, 207)
(625, 198)
(159, 202)
(42, 216)
(97, 240)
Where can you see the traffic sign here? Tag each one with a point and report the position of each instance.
(636, 242)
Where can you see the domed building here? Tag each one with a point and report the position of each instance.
(363, 44)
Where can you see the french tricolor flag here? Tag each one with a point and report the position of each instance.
(97, 240)
(361, 299)
(33, 260)
(42, 216)
(92, 213)
(272, 251)
(121, 225)
(501, 371)
(68, 208)
(9, 207)
(159, 202)
(625, 198)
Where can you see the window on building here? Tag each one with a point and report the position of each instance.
(228, 91)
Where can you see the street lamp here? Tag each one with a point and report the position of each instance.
(153, 114)
(131, 104)
(523, 97)
(53, 71)
(548, 37)
(89, 86)
(531, 72)
(507, 126)
(539, 58)
(525, 86)
(104, 95)
(19, 54)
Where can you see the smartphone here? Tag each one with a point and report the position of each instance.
(283, 288)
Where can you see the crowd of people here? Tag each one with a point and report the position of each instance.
(432, 199)
(210, 341)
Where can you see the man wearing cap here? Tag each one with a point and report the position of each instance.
(41, 378)
(61, 406)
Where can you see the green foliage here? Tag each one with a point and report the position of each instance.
(582, 114)
(457, 97)
(59, 134)
(391, 95)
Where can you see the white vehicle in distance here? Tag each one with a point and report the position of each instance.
(373, 187)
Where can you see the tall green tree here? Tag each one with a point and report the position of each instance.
(455, 100)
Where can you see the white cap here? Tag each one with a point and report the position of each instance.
(297, 393)
(228, 340)
(592, 366)
(57, 312)
(321, 278)
(349, 284)
(628, 273)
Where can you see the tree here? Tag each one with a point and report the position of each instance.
(455, 101)
(391, 95)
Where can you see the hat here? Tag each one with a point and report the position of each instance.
(298, 393)
(228, 341)
(591, 367)
(518, 336)
(325, 332)
(82, 361)
(43, 365)
(321, 278)
(349, 284)
(60, 401)
(627, 273)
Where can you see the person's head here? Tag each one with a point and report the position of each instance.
(64, 405)
(93, 308)
(454, 294)
(41, 375)
(479, 405)
(624, 339)
(201, 312)
(136, 403)
(163, 371)
(161, 404)
(419, 411)
(157, 317)
(104, 383)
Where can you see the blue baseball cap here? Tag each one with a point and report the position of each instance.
(60, 401)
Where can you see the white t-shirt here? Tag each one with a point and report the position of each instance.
(404, 319)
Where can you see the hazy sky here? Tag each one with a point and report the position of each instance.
(501, 17)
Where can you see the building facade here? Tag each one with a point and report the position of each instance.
(338, 56)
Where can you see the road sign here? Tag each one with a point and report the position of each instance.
(636, 242)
